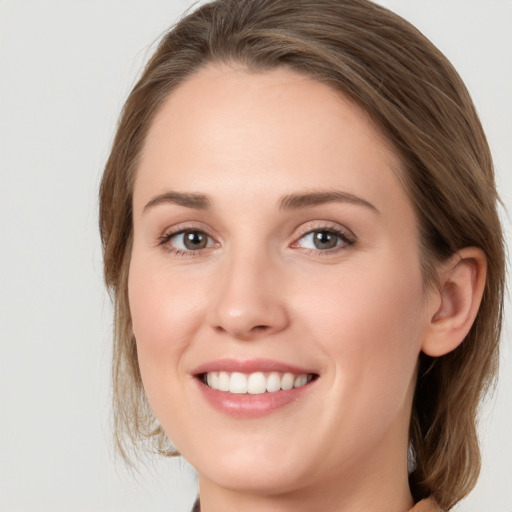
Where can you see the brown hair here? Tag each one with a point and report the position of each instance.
(420, 104)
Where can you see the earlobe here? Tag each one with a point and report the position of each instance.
(462, 283)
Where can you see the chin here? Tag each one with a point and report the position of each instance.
(261, 471)
(269, 478)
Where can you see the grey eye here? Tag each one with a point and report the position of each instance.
(321, 240)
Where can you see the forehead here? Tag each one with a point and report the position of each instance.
(226, 124)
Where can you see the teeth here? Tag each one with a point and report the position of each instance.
(213, 380)
(255, 383)
(224, 380)
(299, 381)
(238, 383)
(273, 382)
(287, 381)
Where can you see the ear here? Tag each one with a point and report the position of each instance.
(456, 302)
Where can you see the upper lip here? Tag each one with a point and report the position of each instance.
(249, 366)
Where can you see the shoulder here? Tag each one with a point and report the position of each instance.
(428, 505)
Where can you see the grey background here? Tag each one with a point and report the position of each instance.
(66, 67)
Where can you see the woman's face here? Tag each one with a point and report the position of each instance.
(274, 246)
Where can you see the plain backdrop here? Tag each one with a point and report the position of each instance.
(66, 67)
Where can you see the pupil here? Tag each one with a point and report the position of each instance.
(195, 240)
(325, 240)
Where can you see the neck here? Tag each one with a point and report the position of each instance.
(368, 487)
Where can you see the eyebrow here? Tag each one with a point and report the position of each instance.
(295, 201)
(288, 202)
(187, 199)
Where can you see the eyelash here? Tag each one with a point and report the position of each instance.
(165, 240)
(345, 240)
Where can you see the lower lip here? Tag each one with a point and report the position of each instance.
(252, 406)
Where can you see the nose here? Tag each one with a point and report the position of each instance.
(249, 301)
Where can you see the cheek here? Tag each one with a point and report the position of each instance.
(164, 308)
(370, 324)
(165, 314)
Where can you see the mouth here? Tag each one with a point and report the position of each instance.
(250, 389)
(255, 383)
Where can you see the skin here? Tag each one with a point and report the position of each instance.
(357, 315)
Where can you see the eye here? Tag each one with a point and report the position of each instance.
(323, 240)
(188, 240)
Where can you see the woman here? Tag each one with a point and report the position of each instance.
(300, 232)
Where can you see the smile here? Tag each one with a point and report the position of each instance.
(256, 383)
(253, 388)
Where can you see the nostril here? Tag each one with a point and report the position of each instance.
(260, 328)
